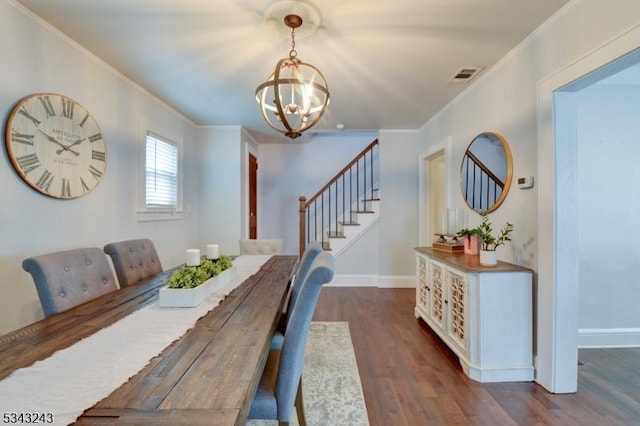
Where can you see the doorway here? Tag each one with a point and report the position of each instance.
(435, 197)
(253, 197)
(558, 239)
(435, 174)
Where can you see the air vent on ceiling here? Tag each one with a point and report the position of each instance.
(465, 74)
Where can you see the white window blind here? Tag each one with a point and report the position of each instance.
(161, 172)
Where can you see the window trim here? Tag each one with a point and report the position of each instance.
(143, 212)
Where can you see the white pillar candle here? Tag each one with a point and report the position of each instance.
(212, 251)
(193, 257)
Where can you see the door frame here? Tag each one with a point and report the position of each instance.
(253, 195)
(557, 284)
(249, 146)
(442, 147)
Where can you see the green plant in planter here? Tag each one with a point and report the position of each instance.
(470, 243)
(489, 241)
(468, 232)
(215, 267)
(193, 276)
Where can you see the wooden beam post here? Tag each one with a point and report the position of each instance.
(303, 223)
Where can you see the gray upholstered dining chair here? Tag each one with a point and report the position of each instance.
(280, 387)
(312, 251)
(134, 260)
(261, 246)
(69, 278)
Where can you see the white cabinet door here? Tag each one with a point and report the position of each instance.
(437, 310)
(422, 288)
(457, 303)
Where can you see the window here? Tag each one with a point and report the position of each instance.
(160, 175)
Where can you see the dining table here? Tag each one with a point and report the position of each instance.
(208, 376)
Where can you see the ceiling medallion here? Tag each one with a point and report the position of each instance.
(296, 94)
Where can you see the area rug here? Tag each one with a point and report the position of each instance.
(331, 385)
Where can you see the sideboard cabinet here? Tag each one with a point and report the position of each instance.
(484, 314)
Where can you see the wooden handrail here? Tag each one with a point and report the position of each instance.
(484, 168)
(343, 171)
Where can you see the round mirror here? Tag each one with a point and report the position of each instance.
(485, 174)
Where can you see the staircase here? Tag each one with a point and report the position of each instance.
(345, 207)
(348, 232)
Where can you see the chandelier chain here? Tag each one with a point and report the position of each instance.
(293, 53)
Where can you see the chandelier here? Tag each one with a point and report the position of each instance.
(296, 94)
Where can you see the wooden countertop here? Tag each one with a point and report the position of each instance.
(468, 263)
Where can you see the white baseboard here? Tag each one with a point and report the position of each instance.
(397, 281)
(403, 281)
(354, 281)
(609, 337)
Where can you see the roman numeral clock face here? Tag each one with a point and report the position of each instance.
(55, 145)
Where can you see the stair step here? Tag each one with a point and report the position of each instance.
(334, 234)
(349, 223)
(363, 211)
(366, 200)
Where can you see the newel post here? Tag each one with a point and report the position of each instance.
(303, 232)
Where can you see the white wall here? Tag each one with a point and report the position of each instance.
(358, 265)
(398, 227)
(504, 99)
(608, 148)
(38, 59)
(221, 182)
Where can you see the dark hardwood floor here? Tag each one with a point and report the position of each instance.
(410, 377)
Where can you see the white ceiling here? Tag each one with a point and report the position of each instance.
(387, 62)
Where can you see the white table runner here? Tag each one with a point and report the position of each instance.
(76, 378)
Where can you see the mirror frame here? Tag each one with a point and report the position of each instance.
(508, 178)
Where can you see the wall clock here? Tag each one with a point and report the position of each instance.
(55, 145)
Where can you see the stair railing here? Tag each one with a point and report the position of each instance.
(482, 186)
(350, 191)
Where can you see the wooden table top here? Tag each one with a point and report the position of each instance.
(209, 376)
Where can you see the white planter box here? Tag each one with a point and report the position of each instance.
(191, 297)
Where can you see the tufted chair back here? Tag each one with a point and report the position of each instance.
(65, 279)
(134, 260)
(273, 246)
(312, 251)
